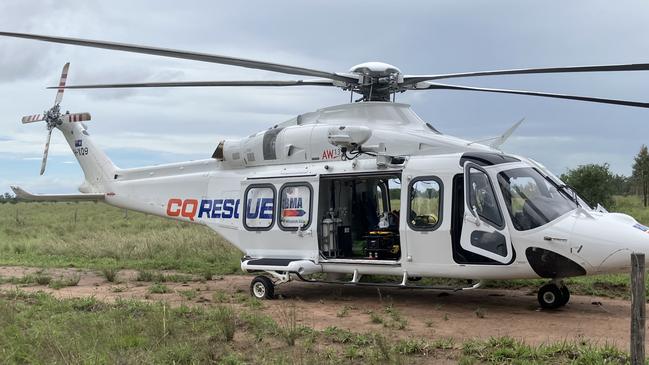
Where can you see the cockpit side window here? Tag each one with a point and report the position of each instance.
(482, 198)
(532, 199)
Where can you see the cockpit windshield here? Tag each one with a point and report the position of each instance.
(532, 199)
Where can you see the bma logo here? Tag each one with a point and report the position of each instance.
(217, 208)
(292, 207)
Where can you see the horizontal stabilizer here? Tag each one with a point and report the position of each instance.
(27, 196)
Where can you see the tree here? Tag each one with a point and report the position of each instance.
(594, 182)
(622, 185)
(641, 173)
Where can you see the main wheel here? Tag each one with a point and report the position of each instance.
(551, 297)
(565, 295)
(262, 287)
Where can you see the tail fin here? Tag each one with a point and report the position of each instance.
(98, 169)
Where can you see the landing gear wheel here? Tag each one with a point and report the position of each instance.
(262, 287)
(565, 295)
(551, 296)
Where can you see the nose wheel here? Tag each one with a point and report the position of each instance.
(553, 296)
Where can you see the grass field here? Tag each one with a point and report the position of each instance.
(97, 236)
(37, 328)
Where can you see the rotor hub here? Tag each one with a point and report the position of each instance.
(53, 116)
(375, 69)
(378, 80)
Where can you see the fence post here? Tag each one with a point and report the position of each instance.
(638, 309)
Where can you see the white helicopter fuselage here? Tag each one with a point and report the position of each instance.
(290, 203)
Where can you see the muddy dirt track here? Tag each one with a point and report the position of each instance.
(430, 314)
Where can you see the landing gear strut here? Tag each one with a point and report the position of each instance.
(553, 296)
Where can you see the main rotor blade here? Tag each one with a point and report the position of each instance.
(321, 82)
(413, 79)
(432, 86)
(195, 56)
(47, 148)
(61, 87)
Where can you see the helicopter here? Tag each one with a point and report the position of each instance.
(364, 188)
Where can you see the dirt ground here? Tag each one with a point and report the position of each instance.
(433, 314)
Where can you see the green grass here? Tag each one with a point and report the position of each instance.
(62, 282)
(29, 279)
(631, 205)
(148, 275)
(39, 329)
(159, 289)
(505, 350)
(46, 235)
(110, 274)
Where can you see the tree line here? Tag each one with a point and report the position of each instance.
(597, 184)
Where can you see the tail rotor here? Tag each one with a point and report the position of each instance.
(53, 117)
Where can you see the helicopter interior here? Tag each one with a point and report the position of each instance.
(359, 217)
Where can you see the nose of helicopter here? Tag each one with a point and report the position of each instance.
(606, 240)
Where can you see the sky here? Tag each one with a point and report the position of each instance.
(145, 126)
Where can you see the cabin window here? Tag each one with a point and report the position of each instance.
(259, 207)
(295, 206)
(482, 198)
(425, 204)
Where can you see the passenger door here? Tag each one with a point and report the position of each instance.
(278, 217)
(484, 230)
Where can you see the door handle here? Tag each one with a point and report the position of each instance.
(475, 219)
(556, 239)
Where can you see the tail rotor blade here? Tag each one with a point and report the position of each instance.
(76, 117)
(64, 78)
(47, 148)
(33, 118)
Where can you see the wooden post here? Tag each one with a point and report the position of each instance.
(638, 309)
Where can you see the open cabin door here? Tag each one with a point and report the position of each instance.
(484, 231)
(278, 217)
